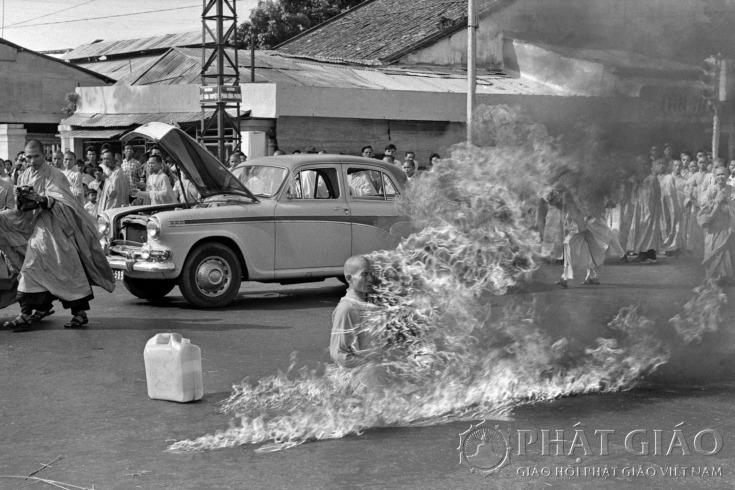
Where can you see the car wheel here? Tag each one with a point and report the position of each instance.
(211, 276)
(150, 289)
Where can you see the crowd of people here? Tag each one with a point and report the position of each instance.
(670, 206)
(107, 180)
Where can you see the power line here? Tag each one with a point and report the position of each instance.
(50, 13)
(104, 17)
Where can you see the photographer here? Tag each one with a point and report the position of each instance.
(63, 258)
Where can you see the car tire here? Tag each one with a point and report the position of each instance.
(150, 289)
(211, 276)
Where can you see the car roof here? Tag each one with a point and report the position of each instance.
(293, 161)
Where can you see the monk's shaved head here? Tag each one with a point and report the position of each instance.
(35, 144)
(355, 263)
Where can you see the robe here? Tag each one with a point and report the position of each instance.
(550, 225)
(349, 339)
(62, 252)
(158, 190)
(670, 212)
(7, 195)
(115, 193)
(645, 222)
(718, 218)
(74, 176)
(588, 245)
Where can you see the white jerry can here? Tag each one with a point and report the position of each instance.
(173, 368)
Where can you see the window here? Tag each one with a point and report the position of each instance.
(370, 184)
(320, 183)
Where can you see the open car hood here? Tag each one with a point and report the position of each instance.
(202, 168)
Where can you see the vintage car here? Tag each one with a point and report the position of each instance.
(282, 219)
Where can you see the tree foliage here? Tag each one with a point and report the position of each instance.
(275, 21)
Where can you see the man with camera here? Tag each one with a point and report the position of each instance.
(63, 258)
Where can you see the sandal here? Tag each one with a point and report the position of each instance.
(21, 323)
(40, 315)
(79, 320)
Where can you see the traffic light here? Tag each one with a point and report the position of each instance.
(710, 79)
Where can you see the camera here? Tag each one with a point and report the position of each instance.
(25, 199)
(23, 191)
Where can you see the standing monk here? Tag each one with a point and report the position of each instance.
(63, 258)
(116, 191)
(645, 227)
(717, 217)
(670, 208)
(587, 244)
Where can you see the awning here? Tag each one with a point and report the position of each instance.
(135, 119)
(94, 133)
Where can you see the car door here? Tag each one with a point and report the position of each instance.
(313, 230)
(373, 196)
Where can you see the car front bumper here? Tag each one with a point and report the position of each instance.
(138, 265)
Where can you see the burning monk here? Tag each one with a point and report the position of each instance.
(587, 246)
(62, 257)
(349, 346)
(717, 218)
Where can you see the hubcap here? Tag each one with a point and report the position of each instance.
(213, 276)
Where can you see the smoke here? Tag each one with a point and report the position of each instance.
(440, 352)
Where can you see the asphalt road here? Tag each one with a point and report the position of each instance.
(77, 399)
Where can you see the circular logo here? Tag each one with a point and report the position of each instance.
(484, 449)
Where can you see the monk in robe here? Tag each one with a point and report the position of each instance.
(717, 218)
(116, 191)
(550, 224)
(158, 188)
(62, 258)
(670, 208)
(645, 226)
(587, 244)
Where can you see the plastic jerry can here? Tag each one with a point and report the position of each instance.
(173, 368)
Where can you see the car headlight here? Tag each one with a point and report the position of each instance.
(154, 228)
(103, 225)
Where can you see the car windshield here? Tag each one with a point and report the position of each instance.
(261, 180)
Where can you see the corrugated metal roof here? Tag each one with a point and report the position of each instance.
(182, 65)
(94, 133)
(128, 119)
(121, 70)
(130, 46)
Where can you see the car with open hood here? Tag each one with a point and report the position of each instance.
(280, 219)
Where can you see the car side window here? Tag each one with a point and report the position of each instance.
(318, 183)
(370, 184)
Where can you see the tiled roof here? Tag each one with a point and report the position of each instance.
(380, 31)
(133, 46)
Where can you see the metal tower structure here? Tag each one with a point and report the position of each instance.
(220, 94)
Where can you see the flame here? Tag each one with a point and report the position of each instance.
(701, 314)
(439, 354)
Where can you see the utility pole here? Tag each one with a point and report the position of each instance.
(220, 89)
(471, 62)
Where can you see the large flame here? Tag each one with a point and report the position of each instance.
(439, 353)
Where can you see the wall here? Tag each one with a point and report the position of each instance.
(687, 30)
(33, 87)
(348, 136)
(124, 99)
